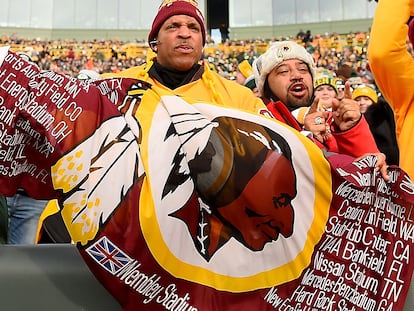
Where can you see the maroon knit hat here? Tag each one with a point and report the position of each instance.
(176, 7)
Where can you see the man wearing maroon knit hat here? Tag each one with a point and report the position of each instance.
(178, 34)
(170, 8)
(177, 38)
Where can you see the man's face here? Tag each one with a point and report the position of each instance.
(180, 43)
(326, 94)
(264, 210)
(291, 82)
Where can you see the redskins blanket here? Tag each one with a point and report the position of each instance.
(183, 205)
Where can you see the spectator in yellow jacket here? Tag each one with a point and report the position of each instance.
(393, 69)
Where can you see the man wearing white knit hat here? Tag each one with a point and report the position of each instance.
(284, 75)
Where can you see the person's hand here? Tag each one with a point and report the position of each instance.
(346, 112)
(315, 122)
(380, 165)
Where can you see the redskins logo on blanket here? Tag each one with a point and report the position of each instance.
(224, 195)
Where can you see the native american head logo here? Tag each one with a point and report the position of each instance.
(245, 183)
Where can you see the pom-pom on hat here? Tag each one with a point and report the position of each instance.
(364, 90)
(170, 8)
(277, 53)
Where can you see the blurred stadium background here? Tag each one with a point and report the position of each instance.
(131, 19)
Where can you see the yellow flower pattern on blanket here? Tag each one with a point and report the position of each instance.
(93, 189)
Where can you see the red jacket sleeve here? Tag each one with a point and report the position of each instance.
(356, 141)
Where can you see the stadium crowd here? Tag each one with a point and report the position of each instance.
(333, 51)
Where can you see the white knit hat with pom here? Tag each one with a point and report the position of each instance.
(277, 53)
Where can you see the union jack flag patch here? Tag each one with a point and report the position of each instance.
(108, 255)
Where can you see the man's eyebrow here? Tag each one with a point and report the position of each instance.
(281, 65)
(298, 63)
(194, 24)
(188, 24)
